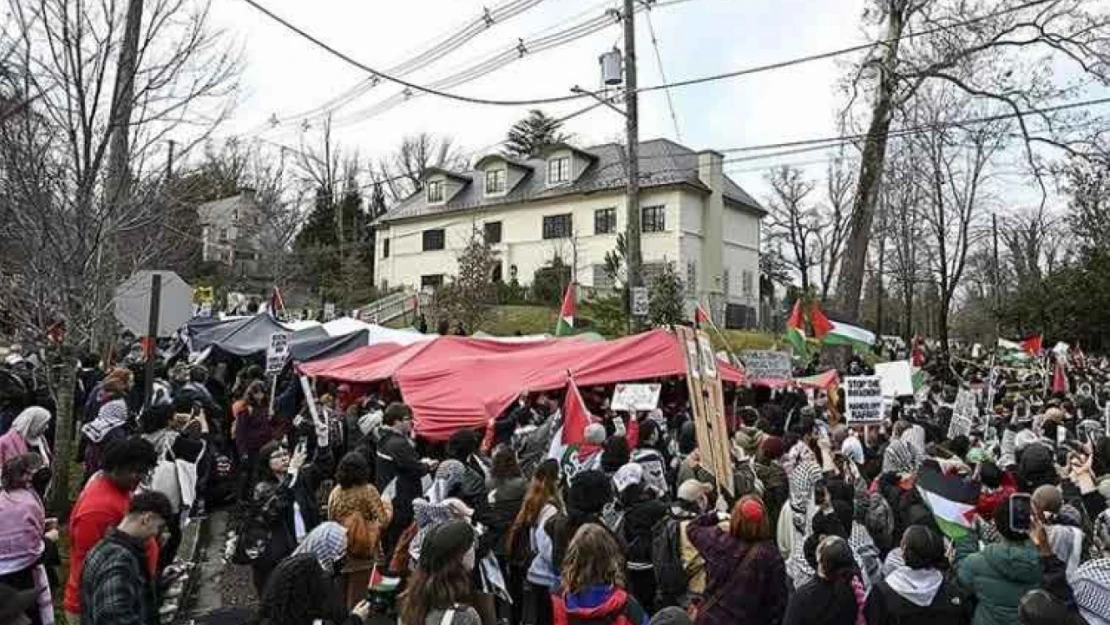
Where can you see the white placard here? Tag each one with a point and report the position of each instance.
(640, 301)
(329, 311)
(278, 352)
(636, 397)
(960, 426)
(692, 358)
(767, 365)
(708, 359)
(897, 378)
(863, 398)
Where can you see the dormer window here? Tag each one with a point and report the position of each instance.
(558, 170)
(495, 181)
(435, 191)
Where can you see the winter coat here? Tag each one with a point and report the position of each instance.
(918, 597)
(504, 503)
(640, 517)
(821, 602)
(397, 460)
(597, 605)
(998, 576)
(746, 586)
(116, 587)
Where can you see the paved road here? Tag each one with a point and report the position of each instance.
(218, 584)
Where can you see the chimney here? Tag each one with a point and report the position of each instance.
(711, 286)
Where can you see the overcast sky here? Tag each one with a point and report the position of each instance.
(285, 75)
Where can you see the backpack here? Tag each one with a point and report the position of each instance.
(363, 535)
(671, 577)
(612, 515)
(250, 534)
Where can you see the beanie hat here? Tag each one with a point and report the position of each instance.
(595, 434)
(772, 447)
(445, 542)
(589, 492)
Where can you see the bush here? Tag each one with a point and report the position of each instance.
(550, 282)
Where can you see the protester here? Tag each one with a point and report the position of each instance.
(27, 435)
(112, 421)
(252, 432)
(357, 505)
(441, 586)
(176, 440)
(1091, 581)
(528, 544)
(23, 537)
(747, 576)
(328, 542)
(593, 583)
(506, 499)
(836, 595)
(15, 604)
(117, 587)
(642, 507)
(101, 505)
(399, 470)
(299, 593)
(918, 593)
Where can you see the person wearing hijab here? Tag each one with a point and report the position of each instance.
(27, 435)
(1091, 581)
(23, 537)
(110, 424)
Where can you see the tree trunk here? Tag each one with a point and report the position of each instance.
(65, 378)
(872, 161)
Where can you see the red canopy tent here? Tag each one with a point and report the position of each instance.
(455, 382)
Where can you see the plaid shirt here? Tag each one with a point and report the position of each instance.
(115, 586)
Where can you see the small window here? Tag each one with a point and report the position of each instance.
(605, 221)
(431, 282)
(748, 283)
(433, 240)
(223, 234)
(435, 191)
(495, 181)
(385, 248)
(556, 226)
(653, 219)
(558, 170)
(493, 232)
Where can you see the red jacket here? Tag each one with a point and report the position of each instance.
(989, 500)
(597, 605)
(100, 507)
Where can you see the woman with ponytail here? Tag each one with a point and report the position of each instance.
(836, 596)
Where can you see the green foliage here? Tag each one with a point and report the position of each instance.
(529, 136)
(665, 306)
(340, 267)
(469, 297)
(550, 282)
(512, 293)
(606, 315)
(1088, 184)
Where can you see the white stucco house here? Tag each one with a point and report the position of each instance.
(230, 232)
(570, 202)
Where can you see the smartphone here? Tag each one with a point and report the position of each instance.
(1021, 512)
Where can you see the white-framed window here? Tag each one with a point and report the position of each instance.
(495, 181)
(558, 170)
(435, 191)
(653, 219)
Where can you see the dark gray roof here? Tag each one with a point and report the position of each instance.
(662, 163)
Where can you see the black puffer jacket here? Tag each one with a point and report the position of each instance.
(642, 511)
(950, 605)
(504, 504)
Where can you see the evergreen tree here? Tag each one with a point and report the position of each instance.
(532, 134)
(665, 306)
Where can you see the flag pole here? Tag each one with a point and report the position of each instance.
(728, 346)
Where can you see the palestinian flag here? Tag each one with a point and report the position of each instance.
(1059, 378)
(565, 326)
(575, 416)
(838, 332)
(1032, 345)
(951, 499)
(796, 329)
(701, 315)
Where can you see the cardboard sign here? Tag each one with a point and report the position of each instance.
(708, 406)
(966, 405)
(640, 301)
(835, 357)
(897, 378)
(635, 397)
(767, 366)
(329, 311)
(863, 399)
(278, 352)
(960, 426)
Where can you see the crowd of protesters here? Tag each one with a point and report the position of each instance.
(345, 515)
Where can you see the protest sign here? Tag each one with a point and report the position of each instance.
(329, 311)
(863, 399)
(635, 397)
(765, 366)
(960, 426)
(707, 404)
(966, 405)
(278, 352)
(835, 357)
(897, 378)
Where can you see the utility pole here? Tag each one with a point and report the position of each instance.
(997, 272)
(169, 159)
(118, 182)
(632, 132)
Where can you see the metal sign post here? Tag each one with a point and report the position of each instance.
(151, 339)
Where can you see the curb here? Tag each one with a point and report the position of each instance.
(187, 554)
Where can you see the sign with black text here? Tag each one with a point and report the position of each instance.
(767, 366)
(863, 398)
(636, 397)
(278, 352)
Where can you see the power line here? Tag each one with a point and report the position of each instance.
(400, 81)
(662, 74)
(683, 83)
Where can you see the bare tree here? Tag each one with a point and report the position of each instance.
(835, 214)
(403, 173)
(954, 190)
(902, 199)
(1006, 52)
(1033, 241)
(793, 222)
(58, 217)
